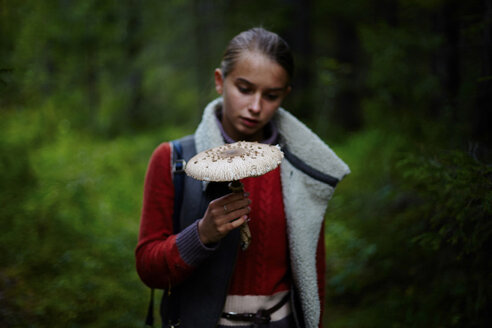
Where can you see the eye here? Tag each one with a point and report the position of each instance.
(244, 90)
(271, 96)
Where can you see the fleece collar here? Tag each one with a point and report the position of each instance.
(305, 199)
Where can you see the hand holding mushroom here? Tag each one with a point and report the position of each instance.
(223, 215)
(231, 162)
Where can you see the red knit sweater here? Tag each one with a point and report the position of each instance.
(263, 269)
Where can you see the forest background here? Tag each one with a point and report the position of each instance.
(401, 90)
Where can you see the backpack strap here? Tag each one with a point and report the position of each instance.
(309, 170)
(178, 165)
(177, 169)
(178, 181)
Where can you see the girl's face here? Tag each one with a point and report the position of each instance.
(252, 93)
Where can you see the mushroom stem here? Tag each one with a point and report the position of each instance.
(237, 186)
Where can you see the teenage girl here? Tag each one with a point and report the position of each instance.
(278, 281)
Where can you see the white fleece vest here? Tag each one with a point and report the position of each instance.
(305, 199)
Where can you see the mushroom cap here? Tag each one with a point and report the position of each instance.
(234, 161)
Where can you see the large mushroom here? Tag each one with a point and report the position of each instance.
(232, 162)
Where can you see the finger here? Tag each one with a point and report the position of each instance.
(235, 215)
(224, 218)
(238, 204)
(237, 223)
(229, 198)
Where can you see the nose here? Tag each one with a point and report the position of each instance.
(255, 104)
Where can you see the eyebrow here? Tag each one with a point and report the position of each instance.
(243, 80)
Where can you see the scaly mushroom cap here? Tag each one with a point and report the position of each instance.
(234, 161)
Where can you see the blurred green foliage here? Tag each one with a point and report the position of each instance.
(88, 89)
(70, 219)
(408, 238)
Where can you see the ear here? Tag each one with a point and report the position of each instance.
(219, 80)
(288, 90)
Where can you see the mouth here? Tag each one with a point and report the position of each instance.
(251, 123)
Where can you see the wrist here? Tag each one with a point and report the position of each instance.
(203, 239)
(191, 249)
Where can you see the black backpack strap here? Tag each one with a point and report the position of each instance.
(178, 180)
(171, 298)
(149, 320)
(177, 168)
(311, 171)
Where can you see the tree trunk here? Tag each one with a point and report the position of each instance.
(299, 38)
(347, 101)
(481, 115)
(133, 49)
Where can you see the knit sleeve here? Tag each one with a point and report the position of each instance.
(163, 258)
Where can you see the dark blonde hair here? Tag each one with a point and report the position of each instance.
(258, 40)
